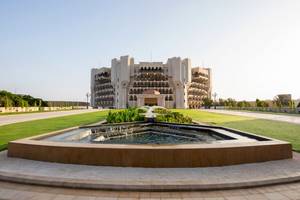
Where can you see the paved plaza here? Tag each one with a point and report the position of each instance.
(13, 191)
(9, 119)
(269, 116)
(58, 179)
(149, 179)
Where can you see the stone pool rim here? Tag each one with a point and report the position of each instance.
(150, 155)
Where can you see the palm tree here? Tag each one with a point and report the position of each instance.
(277, 102)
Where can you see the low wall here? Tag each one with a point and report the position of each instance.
(262, 109)
(36, 109)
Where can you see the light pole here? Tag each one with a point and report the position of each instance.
(87, 100)
(215, 97)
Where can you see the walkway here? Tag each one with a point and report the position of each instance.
(269, 116)
(9, 119)
(149, 179)
(15, 191)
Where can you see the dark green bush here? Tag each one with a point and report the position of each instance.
(128, 115)
(142, 110)
(174, 117)
(161, 111)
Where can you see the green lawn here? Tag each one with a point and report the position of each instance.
(30, 112)
(25, 129)
(274, 129)
(268, 112)
(279, 130)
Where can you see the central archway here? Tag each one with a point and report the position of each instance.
(151, 101)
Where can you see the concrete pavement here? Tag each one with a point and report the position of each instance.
(14, 191)
(269, 116)
(10, 119)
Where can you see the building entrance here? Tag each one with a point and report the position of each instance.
(150, 102)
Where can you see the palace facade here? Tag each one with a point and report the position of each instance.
(174, 84)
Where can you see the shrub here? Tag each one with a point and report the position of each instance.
(142, 110)
(128, 115)
(174, 117)
(161, 111)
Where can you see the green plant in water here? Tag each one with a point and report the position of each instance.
(128, 115)
(173, 117)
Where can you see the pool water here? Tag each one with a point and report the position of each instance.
(154, 138)
(147, 133)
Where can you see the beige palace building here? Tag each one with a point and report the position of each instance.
(174, 84)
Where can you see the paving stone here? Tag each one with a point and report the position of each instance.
(291, 194)
(256, 197)
(64, 197)
(281, 192)
(236, 198)
(106, 198)
(276, 196)
(121, 177)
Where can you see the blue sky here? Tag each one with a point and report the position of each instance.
(47, 48)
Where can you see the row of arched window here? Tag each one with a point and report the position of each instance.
(102, 74)
(134, 98)
(197, 93)
(151, 69)
(151, 84)
(199, 74)
(102, 81)
(103, 87)
(141, 90)
(104, 93)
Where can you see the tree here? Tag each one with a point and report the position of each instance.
(277, 102)
(221, 102)
(230, 102)
(240, 104)
(258, 103)
(292, 104)
(207, 102)
(247, 104)
(243, 104)
(8, 99)
(265, 104)
(282, 100)
(6, 102)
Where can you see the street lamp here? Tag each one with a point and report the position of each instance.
(87, 100)
(215, 97)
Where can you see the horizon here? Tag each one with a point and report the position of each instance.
(49, 48)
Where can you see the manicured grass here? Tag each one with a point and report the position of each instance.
(210, 118)
(21, 113)
(279, 130)
(267, 112)
(31, 128)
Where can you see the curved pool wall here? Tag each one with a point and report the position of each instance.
(149, 133)
(258, 149)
